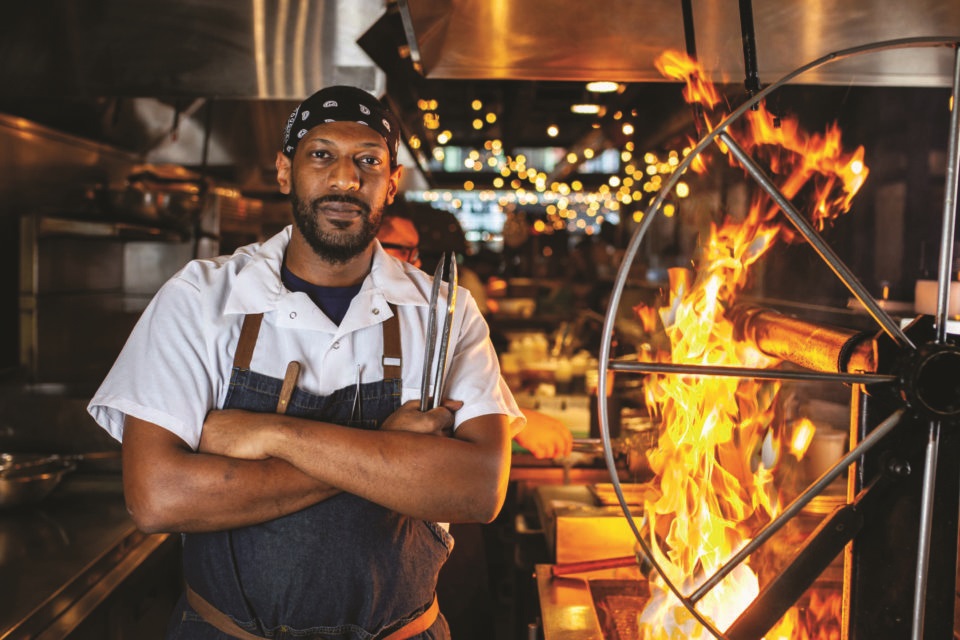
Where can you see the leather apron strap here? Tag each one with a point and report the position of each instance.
(248, 340)
(225, 623)
(392, 348)
(419, 624)
(216, 618)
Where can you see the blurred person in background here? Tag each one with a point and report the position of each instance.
(544, 436)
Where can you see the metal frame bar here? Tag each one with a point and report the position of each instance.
(756, 374)
(926, 523)
(824, 250)
(799, 503)
(945, 267)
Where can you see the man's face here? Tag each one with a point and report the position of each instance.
(399, 238)
(339, 182)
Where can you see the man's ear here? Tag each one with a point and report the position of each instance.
(394, 185)
(283, 172)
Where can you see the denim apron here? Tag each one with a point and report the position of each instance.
(342, 569)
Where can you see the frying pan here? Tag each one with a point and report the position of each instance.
(27, 478)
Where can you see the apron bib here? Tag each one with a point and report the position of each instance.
(342, 569)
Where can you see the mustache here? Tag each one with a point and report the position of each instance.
(357, 202)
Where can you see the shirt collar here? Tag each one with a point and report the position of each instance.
(258, 288)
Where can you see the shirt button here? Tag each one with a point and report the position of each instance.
(376, 312)
(336, 345)
(293, 315)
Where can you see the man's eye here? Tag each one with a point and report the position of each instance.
(371, 161)
(320, 153)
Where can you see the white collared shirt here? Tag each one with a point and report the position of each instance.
(176, 364)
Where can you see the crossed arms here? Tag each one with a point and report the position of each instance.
(254, 467)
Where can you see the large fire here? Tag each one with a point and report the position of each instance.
(713, 490)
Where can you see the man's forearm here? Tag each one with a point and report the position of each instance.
(168, 487)
(447, 479)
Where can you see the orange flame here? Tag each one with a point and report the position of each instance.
(721, 437)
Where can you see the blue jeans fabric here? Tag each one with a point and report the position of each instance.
(343, 569)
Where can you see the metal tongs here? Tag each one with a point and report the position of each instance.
(430, 400)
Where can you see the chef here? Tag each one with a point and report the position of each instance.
(267, 406)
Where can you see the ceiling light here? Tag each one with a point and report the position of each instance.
(627, 129)
(589, 109)
(491, 117)
(478, 124)
(477, 105)
(602, 86)
(552, 131)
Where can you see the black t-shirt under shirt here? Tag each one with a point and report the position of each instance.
(333, 301)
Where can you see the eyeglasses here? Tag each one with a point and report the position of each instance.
(402, 251)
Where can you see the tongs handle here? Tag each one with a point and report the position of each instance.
(430, 400)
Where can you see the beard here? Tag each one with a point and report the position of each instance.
(335, 247)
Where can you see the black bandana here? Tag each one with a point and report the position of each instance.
(338, 104)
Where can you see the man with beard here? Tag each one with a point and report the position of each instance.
(267, 403)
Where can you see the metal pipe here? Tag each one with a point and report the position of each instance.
(926, 522)
(751, 76)
(945, 268)
(690, 42)
(746, 372)
(810, 345)
(828, 255)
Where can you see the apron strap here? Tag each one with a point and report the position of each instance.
(216, 618)
(392, 349)
(248, 340)
(419, 624)
(221, 621)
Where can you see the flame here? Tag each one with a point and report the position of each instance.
(721, 436)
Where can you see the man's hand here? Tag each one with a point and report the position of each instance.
(408, 417)
(235, 433)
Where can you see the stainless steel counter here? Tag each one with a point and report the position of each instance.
(61, 557)
(569, 609)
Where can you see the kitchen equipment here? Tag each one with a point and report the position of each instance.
(593, 565)
(28, 478)
(438, 378)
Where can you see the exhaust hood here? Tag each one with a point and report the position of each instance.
(279, 49)
(619, 39)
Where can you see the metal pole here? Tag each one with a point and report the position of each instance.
(926, 520)
(945, 271)
(756, 374)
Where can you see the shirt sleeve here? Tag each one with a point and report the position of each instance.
(170, 371)
(474, 373)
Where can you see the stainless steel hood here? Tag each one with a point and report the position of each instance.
(281, 49)
(619, 39)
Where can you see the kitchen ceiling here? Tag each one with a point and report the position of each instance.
(528, 61)
(157, 75)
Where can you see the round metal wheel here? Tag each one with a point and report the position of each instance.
(919, 380)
